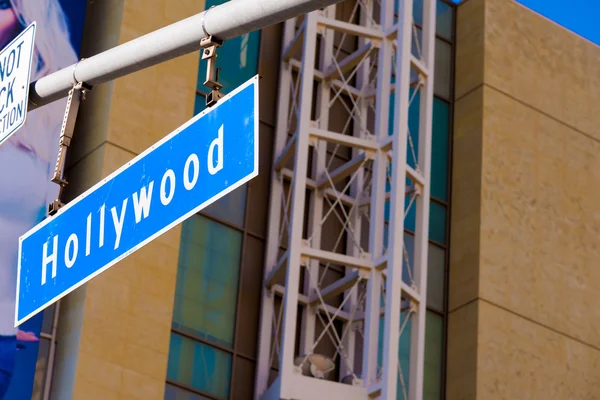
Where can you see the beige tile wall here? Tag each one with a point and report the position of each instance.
(525, 271)
(116, 330)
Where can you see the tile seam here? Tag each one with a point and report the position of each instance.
(526, 318)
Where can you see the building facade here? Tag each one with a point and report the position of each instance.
(512, 233)
(524, 252)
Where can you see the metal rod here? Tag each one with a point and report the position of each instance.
(393, 294)
(421, 243)
(372, 318)
(266, 336)
(292, 279)
(315, 212)
(234, 18)
(52, 353)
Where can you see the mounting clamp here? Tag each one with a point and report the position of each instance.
(76, 95)
(209, 45)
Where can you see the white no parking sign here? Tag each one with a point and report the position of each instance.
(15, 70)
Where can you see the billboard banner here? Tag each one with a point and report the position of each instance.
(27, 160)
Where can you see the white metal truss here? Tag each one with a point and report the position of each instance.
(344, 295)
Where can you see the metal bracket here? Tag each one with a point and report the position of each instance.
(210, 45)
(76, 95)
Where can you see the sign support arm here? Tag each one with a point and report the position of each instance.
(76, 95)
(226, 21)
(210, 45)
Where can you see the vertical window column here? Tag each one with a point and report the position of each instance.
(204, 349)
(439, 218)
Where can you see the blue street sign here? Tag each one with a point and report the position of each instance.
(208, 157)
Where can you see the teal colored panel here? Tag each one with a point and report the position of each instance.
(417, 12)
(387, 210)
(403, 352)
(404, 355)
(437, 219)
(442, 80)
(408, 266)
(174, 359)
(210, 3)
(207, 280)
(443, 59)
(230, 208)
(388, 187)
(199, 104)
(173, 392)
(409, 245)
(198, 365)
(439, 149)
(412, 152)
(436, 270)
(437, 222)
(409, 220)
(413, 123)
(391, 112)
(386, 235)
(444, 20)
(416, 47)
(439, 146)
(444, 16)
(434, 337)
(435, 277)
(411, 217)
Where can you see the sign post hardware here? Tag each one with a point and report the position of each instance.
(76, 95)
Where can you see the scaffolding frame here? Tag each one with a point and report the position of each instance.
(314, 290)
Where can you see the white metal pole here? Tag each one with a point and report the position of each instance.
(309, 317)
(377, 206)
(292, 280)
(417, 348)
(234, 18)
(356, 190)
(275, 210)
(52, 353)
(398, 179)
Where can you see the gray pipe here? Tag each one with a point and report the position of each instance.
(234, 18)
